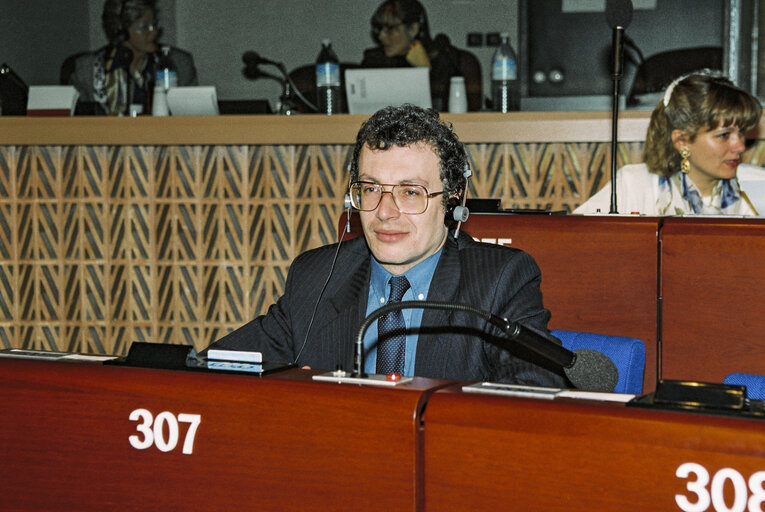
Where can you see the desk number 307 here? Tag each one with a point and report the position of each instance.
(745, 497)
(162, 431)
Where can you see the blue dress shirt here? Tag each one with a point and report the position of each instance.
(419, 278)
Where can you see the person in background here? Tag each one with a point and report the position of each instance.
(693, 149)
(400, 30)
(407, 168)
(122, 73)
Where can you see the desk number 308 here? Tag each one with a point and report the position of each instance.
(742, 499)
(152, 430)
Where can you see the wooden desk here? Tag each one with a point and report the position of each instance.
(498, 453)
(598, 274)
(281, 442)
(713, 294)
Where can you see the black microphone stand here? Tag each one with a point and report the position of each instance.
(547, 348)
(289, 89)
(616, 77)
(618, 16)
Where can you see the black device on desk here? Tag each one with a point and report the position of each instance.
(13, 92)
(244, 107)
(701, 397)
(482, 205)
(184, 357)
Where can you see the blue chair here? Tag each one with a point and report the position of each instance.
(755, 384)
(628, 354)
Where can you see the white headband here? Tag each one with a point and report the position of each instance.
(705, 71)
(668, 92)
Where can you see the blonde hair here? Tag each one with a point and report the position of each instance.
(700, 101)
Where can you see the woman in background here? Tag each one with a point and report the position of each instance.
(400, 29)
(123, 72)
(693, 149)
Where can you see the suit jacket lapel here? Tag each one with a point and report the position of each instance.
(444, 287)
(347, 302)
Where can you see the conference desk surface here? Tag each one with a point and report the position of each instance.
(78, 436)
(488, 452)
(82, 436)
(713, 292)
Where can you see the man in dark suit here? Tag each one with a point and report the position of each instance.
(408, 172)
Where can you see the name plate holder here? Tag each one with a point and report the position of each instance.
(343, 377)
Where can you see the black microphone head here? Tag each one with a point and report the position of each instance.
(592, 371)
(251, 58)
(618, 13)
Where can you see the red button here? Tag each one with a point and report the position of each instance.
(393, 377)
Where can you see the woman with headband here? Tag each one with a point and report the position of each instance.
(693, 149)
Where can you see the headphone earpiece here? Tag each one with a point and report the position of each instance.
(461, 213)
(347, 205)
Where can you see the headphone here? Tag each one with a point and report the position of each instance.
(460, 213)
(347, 205)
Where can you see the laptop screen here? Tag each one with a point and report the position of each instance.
(369, 90)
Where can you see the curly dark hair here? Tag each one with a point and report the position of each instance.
(407, 125)
(118, 15)
(700, 101)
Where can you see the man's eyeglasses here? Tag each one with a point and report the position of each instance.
(145, 27)
(410, 199)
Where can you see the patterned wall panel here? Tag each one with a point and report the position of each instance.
(101, 246)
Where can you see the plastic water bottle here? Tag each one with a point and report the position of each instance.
(328, 80)
(166, 73)
(159, 101)
(505, 93)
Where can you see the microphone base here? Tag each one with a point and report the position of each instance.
(343, 377)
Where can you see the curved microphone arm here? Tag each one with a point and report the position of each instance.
(253, 59)
(579, 366)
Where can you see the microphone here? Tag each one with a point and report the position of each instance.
(587, 369)
(618, 17)
(253, 59)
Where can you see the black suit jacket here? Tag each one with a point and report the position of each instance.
(452, 345)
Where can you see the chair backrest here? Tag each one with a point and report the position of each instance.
(755, 384)
(470, 68)
(304, 78)
(656, 72)
(628, 354)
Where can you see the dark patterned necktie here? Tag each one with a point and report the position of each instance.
(391, 332)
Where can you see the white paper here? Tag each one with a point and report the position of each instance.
(199, 100)
(52, 97)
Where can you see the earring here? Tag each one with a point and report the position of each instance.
(685, 164)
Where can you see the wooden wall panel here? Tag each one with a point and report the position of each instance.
(103, 245)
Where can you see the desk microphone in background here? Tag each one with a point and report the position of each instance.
(253, 60)
(618, 16)
(587, 369)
